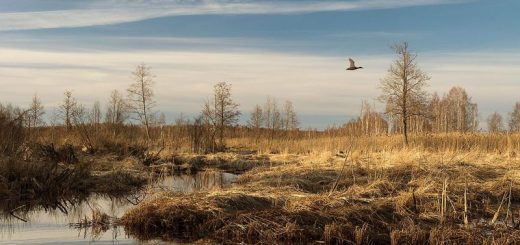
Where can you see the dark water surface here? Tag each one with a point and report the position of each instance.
(53, 227)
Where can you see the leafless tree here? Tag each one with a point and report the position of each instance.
(459, 111)
(455, 112)
(495, 122)
(95, 114)
(180, 131)
(256, 118)
(117, 109)
(371, 122)
(161, 122)
(514, 118)
(81, 119)
(201, 135)
(140, 96)
(35, 113)
(221, 112)
(272, 117)
(66, 109)
(403, 88)
(289, 117)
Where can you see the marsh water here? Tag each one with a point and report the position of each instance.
(57, 227)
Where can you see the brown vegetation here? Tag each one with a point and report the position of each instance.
(410, 197)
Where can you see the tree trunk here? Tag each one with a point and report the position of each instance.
(405, 129)
(144, 109)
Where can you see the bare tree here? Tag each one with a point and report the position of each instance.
(289, 117)
(370, 121)
(460, 110)
(455, 112)
(436, 111)
(256, 118)
(95, 114)
(403, 88)
(495, 122)
(117, 109)
(514, 118)
(81, 119)
(207, 123)
(221, 111)
(201, 135)
(140, 96)
(180, 131)
(272, 116)
(66, 109)
(35, 113)
(161, 122)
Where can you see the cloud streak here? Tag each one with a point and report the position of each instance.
(115, 12)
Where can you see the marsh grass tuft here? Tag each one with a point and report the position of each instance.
(400, 197)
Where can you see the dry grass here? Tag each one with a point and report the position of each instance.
(442, 189)
(130, 140)
(389, 197)
(442, 142)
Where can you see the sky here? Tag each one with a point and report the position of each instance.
(288, 49)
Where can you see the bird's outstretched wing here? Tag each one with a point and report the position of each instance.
(351, 61)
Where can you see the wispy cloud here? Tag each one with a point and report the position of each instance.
(121, 11)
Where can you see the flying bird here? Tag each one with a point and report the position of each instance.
(352, 65)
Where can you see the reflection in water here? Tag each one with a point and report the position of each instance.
(57, 227)
(53, 226)
(201, 181)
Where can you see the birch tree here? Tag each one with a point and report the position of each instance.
(117, 109)
(289, 117)
(221, 112)
(95, 114)
(403, 88)
(256, 118)
(35, 113)
(514, 118)
(495, 123)
(272, 116)
(66, 109)
(140, 96)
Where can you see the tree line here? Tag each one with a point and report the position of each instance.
(408, 109)
(207, 131)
